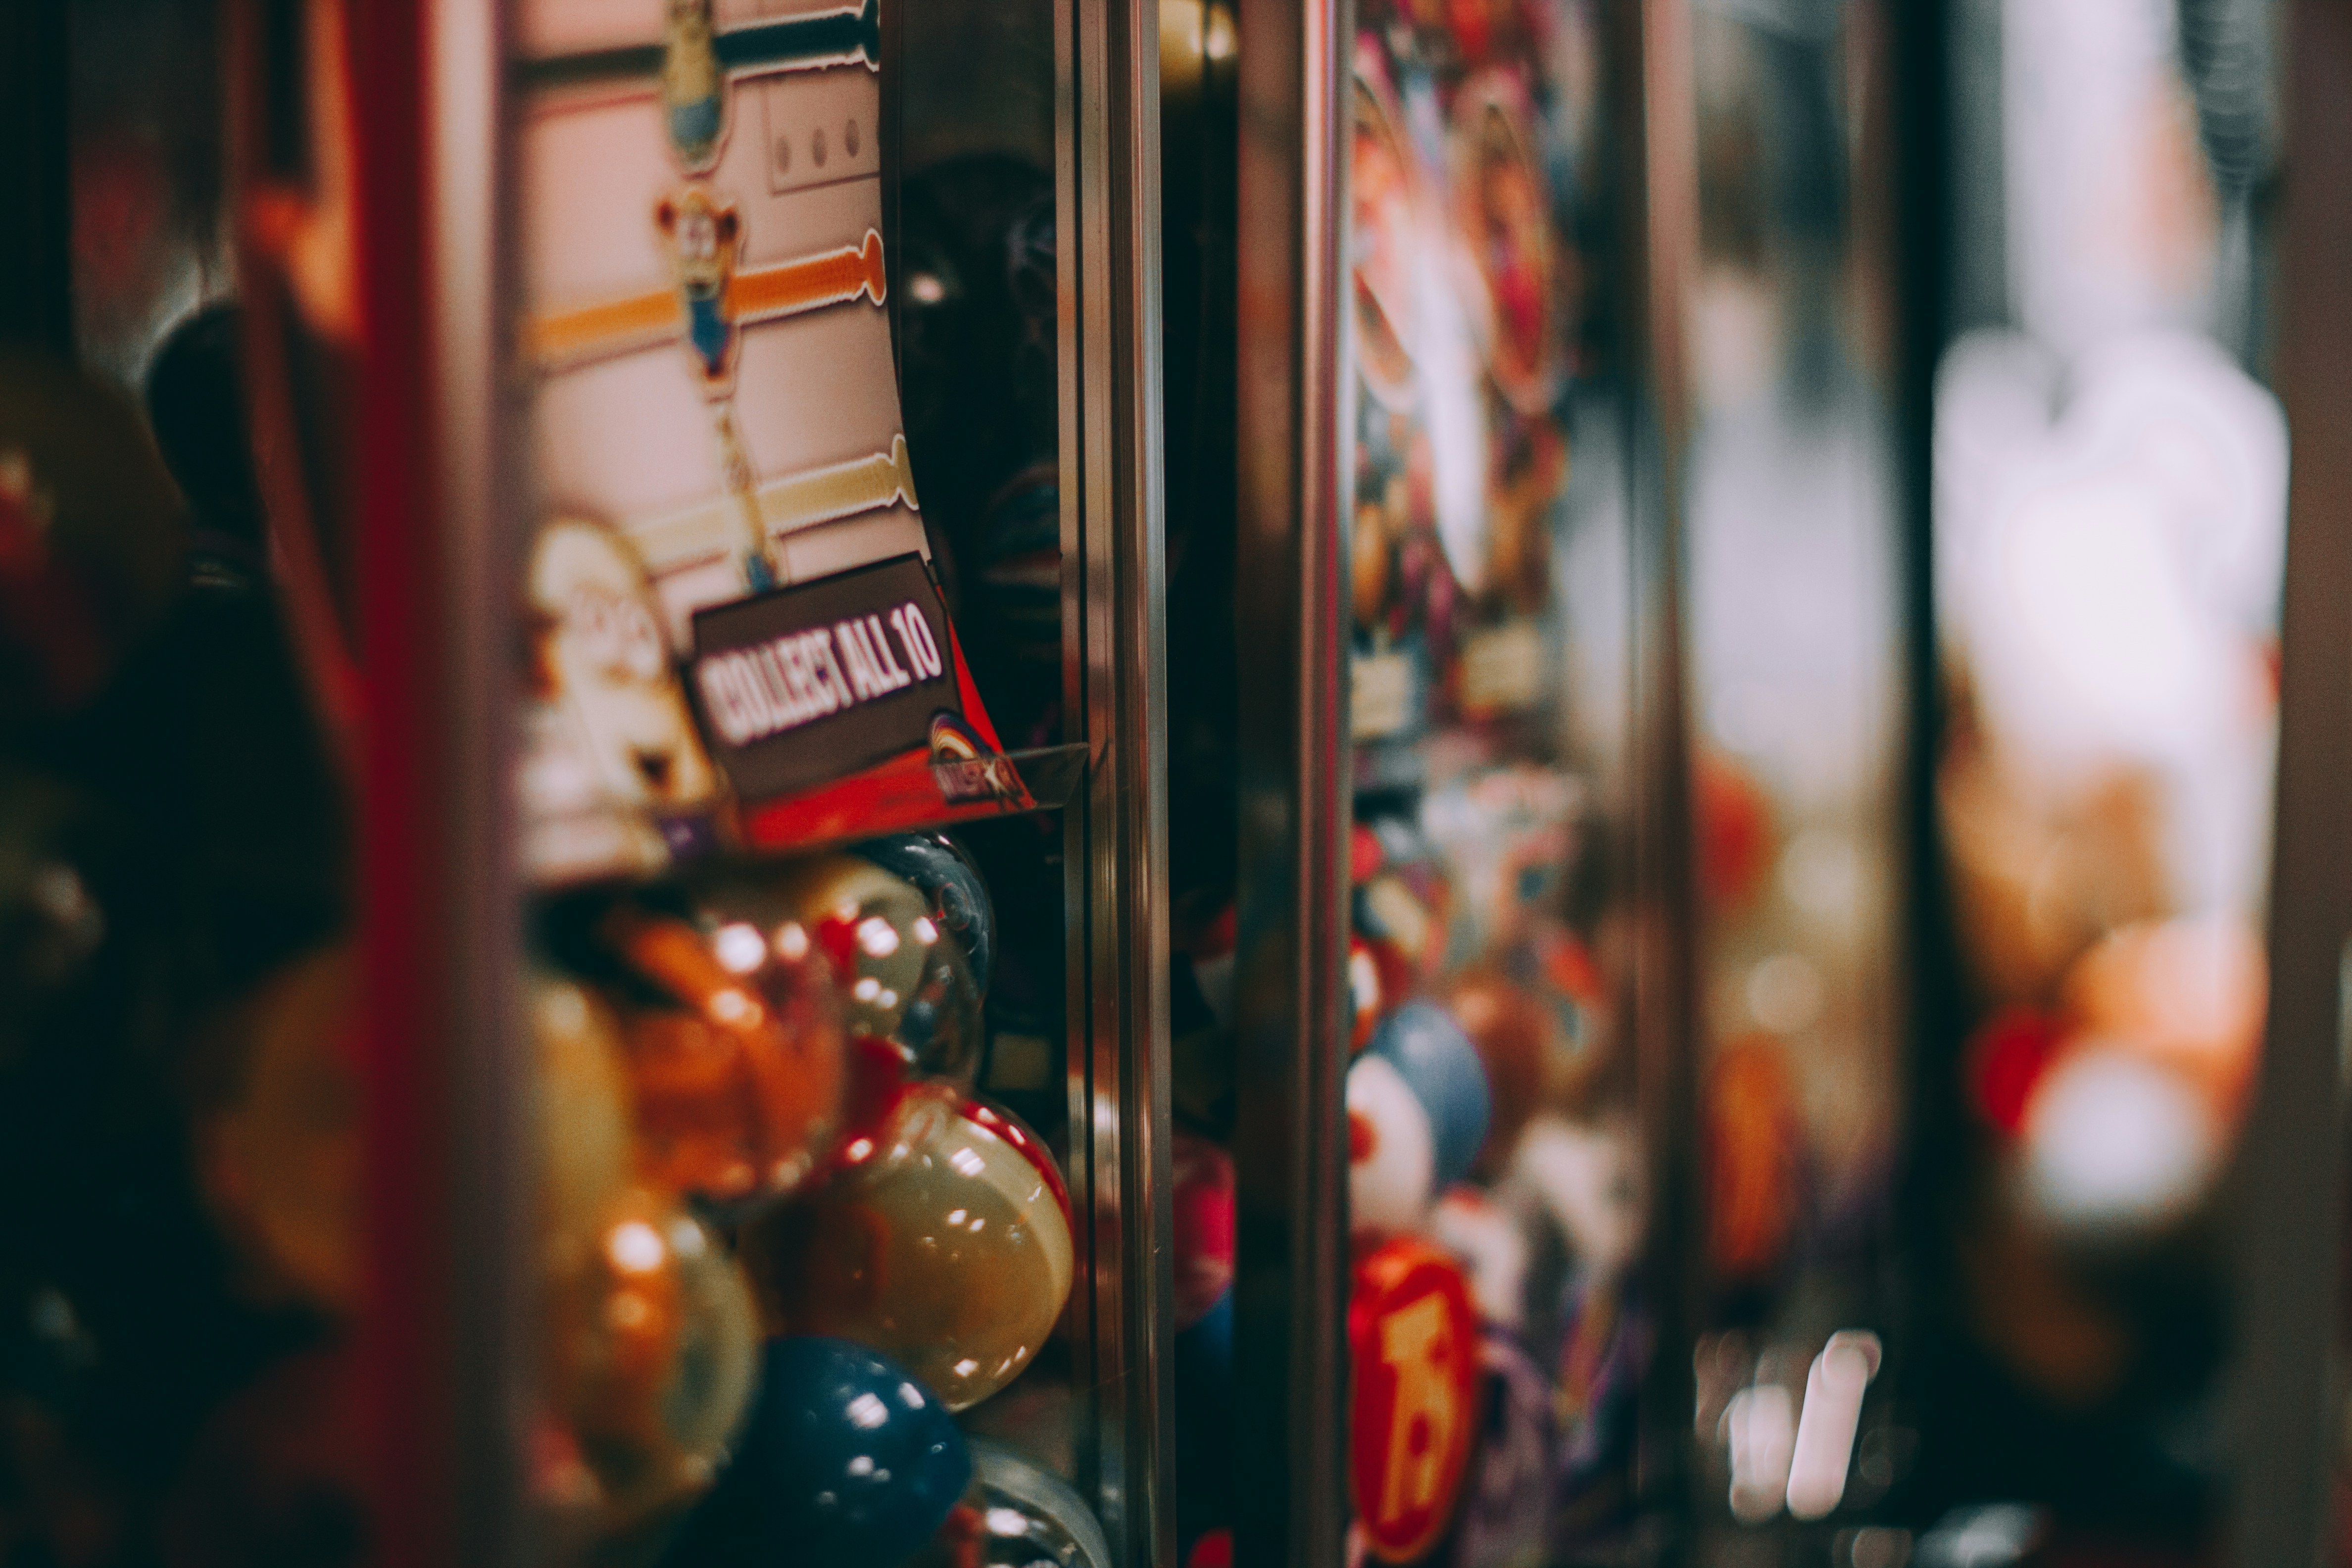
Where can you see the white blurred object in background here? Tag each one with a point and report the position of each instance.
(2111, 577)
(2111, 215)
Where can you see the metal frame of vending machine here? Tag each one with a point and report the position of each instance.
(1290, 1264)
(1115, 651)
(2286, 1411)
(448, 1338)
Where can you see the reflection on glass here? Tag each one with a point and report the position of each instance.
(1496, 1328)
(1795, 698)
(2109, 509)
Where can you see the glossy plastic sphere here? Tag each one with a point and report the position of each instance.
(1412, 1341)
(1388, 909)
(1367, 996)
(1392, 1159)
(652, 1348)
(847, 1461)
(281, 1158)
(582, 1104)
(937, 866)
(1516, 1036)
(944, 1242)
(1433, 1055)
(1202, 1177)
(1029, 1517)
(739, 1081)
(902, 977)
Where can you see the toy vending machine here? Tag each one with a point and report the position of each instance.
(840, 1169)
(1471, 943)
(619, 1060)
(1609, 522)
(1499, 1323)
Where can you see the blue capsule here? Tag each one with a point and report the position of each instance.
(847, 1460)
(940, 870)
(1442, 1068)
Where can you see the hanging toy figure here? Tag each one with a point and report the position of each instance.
(703, 234)
(692, 104)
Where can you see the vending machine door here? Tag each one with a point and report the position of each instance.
(622, 1018)
(839, 325)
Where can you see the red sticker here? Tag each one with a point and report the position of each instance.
(1414, 1342)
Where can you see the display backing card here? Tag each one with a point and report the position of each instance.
(704, 328)
(667, 237)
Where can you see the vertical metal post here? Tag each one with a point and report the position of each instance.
(1290, 1287)
(1950, 273)
(1114, 620)
(2290, 1199)
(1661, 127)
(445, 1332)
(478, 506)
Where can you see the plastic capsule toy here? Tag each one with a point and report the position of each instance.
(1202, 1178)
(1516, 1036)
(740, 1079)
(651, 1352)
(1367, 996)
(943, 1239)
(847, 1460)
(1392, 1153)
(938, 868)
(587, 1159)
(1028, 1517)
(650, 1338)
(903, 978)
(1438, 1062)
(1413, 1342)
(281, 1158)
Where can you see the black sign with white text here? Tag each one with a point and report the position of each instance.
(810, 683)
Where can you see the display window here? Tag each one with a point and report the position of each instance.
(920, 783)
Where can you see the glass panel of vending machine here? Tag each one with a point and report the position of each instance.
(1459, 913)
(1615, 537)
(2112, 1360)
(1791, 493)
(1750, 1034)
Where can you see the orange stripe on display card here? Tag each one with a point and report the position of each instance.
(809, 283)
(770, 293)
(592, 331)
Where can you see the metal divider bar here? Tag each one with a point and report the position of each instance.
(2290, 1202)
(1114, 621)
(1291, 460)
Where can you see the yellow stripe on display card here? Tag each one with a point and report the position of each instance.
(562, 339)
(787, 505)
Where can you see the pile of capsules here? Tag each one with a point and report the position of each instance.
(781, 1243)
